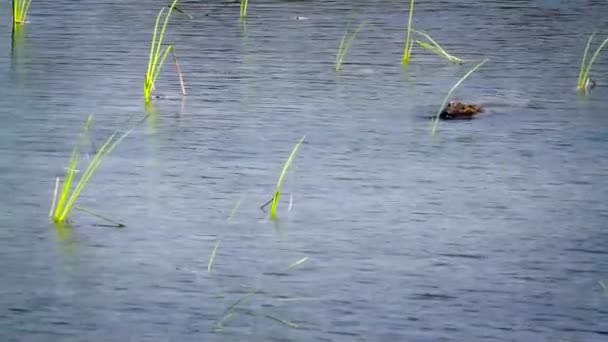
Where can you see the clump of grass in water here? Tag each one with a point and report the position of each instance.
(20, 9)
(345, 44)
(244, 4)
(408, 42)
(447, 97)
(157, 56)
(584, 81)
(436, 48)
(64, 200)
(274, 202)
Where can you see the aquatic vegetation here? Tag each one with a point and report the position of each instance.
(345, 44)
(447, 97)
(244, 4)
(297, 262)
(436, 48)
(408, 42)
(179, 72)
(64, 199)
(20, 9)
(221, 237)
(158, 54)
(277, 194)
(584, 81)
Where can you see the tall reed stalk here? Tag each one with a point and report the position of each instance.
(64, 198)
(20, 8)
(408, 42)
(584, 80)
(447, 97)
(158, 53)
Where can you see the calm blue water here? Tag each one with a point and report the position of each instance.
(493, 230)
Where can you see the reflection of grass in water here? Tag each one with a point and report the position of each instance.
(436, 48)
(447, 97)
(584, 81)
(230, 311)
(20, 9)
(407, 50)
(64, 198)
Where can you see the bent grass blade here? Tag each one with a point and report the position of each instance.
(447, 97)
(436, 48)
(277, 193)
(583, 77)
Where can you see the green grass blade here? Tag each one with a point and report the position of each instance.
(105, 149)
(158, 68)
(436, 48)
(581, 81)
(153, 43)
(277, 194)
(221, 237)
(408, 44)
(340, 53)
(243, 12)
(447, 98)
(591, 61)
(345, 44)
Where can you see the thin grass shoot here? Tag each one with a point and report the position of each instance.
(277, 193)
(584, 80)
(434, 47)
(158, 53)
(68, 197)
(447, 97)
(407, 50)
(20, 9)
(243, 13)
(211, 262)
(345, 44)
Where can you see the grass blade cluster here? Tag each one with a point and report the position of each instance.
(20, 9)
(244, 4)
(277, 193)
(66, 197)
(434, 47)
(158, 53)
(584, 81)
(408, 42)
(345, 44)
(447, 97)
